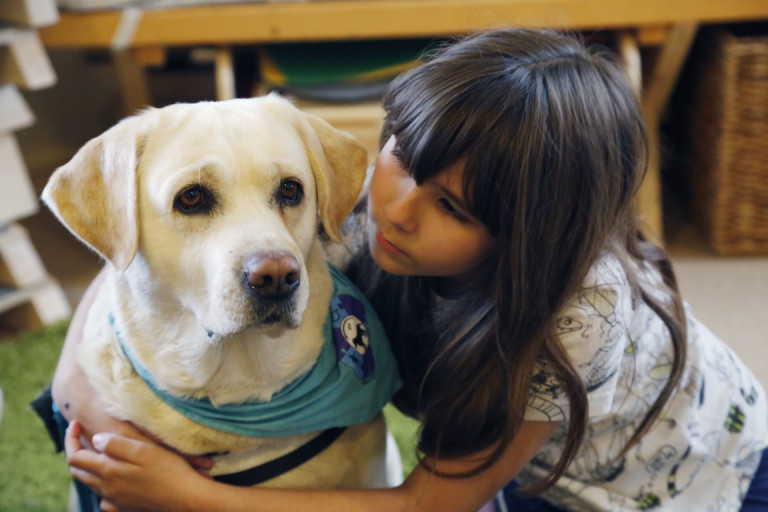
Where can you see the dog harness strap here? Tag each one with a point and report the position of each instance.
(287, 462)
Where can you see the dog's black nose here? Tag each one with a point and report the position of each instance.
(272, 275)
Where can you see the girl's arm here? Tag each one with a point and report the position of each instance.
(131, 474)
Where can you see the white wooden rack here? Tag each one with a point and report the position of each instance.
(29, 297)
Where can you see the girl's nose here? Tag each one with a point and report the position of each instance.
(401, 210)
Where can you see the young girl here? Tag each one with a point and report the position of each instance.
(541, 339)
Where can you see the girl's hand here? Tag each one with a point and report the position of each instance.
(130, 474)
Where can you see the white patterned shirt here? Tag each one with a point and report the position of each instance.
(702, 451)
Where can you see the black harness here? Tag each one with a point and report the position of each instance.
(283, 464)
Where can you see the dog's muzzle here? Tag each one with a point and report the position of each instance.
(272, 280)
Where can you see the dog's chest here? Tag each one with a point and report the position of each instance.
(351, 380)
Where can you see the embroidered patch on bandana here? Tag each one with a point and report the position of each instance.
(350, 335)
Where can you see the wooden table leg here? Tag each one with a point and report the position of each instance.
(132, 80)
(659, 82)
(225, 74)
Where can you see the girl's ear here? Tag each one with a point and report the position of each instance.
(339, 162)
(94, 194)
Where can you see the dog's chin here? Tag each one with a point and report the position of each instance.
(257, 318)
(272, 326)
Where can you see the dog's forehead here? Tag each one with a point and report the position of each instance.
(217, 126)
(225, 137)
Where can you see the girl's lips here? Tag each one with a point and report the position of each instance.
(386, 245)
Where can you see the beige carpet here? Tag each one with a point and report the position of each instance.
(728, 294)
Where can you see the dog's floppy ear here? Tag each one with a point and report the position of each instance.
(339, 163)
(94, 194)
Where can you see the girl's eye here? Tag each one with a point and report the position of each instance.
(193, 200)
(290, 192)
(452, 210)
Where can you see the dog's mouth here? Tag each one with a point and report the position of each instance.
(273, 318)
(271, 313)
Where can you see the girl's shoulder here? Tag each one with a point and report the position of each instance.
(612, 289)
(352, 231)
(605, 294)
(592, 329)
(353, 237)
(596, 318)
(608, 272)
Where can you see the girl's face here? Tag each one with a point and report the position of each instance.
(423, 230)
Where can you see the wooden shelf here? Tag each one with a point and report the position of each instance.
(33, 306)
(23, 60)
(372, 19)
(14, 112)
(31, 13)
(29, 298)
(17, 195)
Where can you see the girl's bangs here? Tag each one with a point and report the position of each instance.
(434, 131)
(422, 125)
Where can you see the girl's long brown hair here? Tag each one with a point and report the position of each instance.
(555, 150)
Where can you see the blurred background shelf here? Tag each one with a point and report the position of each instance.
(29, 297)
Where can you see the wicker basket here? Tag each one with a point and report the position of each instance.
(731, 145)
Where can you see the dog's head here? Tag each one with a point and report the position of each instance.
(213, 205)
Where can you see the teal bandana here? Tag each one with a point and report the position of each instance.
(354, 377)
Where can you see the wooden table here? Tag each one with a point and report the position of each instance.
(655, 36)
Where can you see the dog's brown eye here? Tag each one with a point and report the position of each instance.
(194, 199)
(290, 192)
(191, 198)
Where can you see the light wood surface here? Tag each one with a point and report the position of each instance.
(365, 19)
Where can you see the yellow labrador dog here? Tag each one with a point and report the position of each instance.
(220, 328)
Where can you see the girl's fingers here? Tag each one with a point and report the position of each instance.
(107, 506)
(77, 454)
(72, 436)
(93, 463)
(199, 462)
(86, 465)
(76, 437)
(85, 477)
(134, 451)
(118, 447)
(72, 443)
